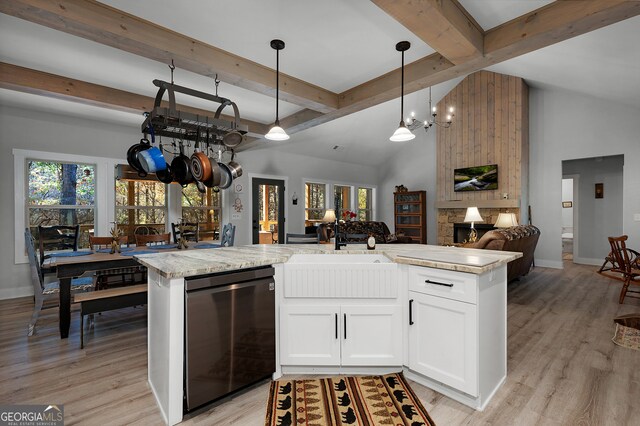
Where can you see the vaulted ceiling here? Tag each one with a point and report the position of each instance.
(339, 69)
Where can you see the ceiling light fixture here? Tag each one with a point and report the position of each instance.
(413, 124)
(402, 134)
(277, 133)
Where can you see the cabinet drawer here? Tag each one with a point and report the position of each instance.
(450, 284)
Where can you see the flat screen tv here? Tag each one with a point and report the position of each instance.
(479, 178)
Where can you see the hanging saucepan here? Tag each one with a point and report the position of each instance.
(132, 155)
(234, 168)
(233, 138)
(180, 168)
(164, 175)
(200, 165)
(214, 181)
(226, 178)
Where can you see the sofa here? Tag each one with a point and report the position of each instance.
(522, 238)
(379, 230)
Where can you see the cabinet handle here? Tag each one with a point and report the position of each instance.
(411, 312)
(345, 326)
(336, 325)
(438, 283)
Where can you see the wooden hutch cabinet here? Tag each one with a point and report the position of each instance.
(410, 212)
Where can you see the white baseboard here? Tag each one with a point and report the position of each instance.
(557, 264)
(587, 261)
(13, 293)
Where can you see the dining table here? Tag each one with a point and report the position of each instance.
(69, 267)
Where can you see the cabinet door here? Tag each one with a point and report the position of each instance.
(371, 335)
(443, 341)
(309, 335)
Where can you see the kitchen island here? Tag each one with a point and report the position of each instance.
(436, 313)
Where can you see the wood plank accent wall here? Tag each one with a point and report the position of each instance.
(491, 126)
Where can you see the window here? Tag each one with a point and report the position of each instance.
(141, 206)
(204, 209)
(61, 194)
(314, 202)
(365, 204)
(342, 199)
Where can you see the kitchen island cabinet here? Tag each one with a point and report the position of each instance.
(363, 293)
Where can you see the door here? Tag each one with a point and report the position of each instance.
(267, 217)
(443, 341)
(309, 335)
(372, 335)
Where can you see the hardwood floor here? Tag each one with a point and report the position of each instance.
(563, 368)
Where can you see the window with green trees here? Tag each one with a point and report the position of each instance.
(140, 204)
(365, 204)
(203, 208)
(61, 194)
(314, 201)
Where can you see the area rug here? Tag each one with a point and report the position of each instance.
(343, 400)
(627, 331)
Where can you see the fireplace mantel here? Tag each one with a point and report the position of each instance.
(485, 204)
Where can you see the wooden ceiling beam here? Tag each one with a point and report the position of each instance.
(442, 24)
(112, 27)
(27, 80)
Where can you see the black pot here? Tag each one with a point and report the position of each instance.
(181, 169)
(132, 156)
(165, 176)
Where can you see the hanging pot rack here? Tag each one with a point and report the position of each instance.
(171, 122)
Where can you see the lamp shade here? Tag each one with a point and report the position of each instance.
(473, 215)
(402, 134)
(277, 133)
(506, 220)
(329, 216)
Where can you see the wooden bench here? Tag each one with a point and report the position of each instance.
(106, 300)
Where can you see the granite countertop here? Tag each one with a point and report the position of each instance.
(177, 264)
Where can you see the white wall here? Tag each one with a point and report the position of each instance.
(414, 166)
(563, 126)
(265, 162)
(42, 131)
(598, 218)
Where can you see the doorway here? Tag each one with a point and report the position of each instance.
(267, 216)
(569, 182)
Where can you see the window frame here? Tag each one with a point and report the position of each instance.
(165, 207)
(371, 201)
(330, 185)
(205, 208)
(327, 190)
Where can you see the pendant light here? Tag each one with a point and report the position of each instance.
(402, 134)
(277, 133)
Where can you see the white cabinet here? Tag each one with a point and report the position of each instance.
(349, 335)
(372, 335)
(443, 341)
(309, 335)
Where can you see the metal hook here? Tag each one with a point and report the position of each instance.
(217, 83)
(172, 67)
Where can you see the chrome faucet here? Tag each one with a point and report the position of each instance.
(336, 231)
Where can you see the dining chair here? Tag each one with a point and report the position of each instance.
(626, 266)
(302, 238)
(228, 235)
(190, 231)
(56, 237)
(153, 239)
(116, 277)
(47, 292)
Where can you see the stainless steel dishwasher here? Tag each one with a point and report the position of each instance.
(229, 333)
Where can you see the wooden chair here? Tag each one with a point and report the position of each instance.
(47, 292)
(190, 231)
(228, 235)
(116, 277)
(153, 239)
(626, 266)
(302, 238)
(57, 237)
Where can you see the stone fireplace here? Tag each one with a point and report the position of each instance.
(448, 217)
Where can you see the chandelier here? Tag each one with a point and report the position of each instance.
(413, 124)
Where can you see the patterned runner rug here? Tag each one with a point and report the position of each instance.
(342, 400)
(627, 331)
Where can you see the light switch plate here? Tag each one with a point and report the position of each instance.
(636, 217)
(236, 216)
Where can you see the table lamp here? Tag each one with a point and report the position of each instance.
(506, 220)
(329, 216)
(473, 215)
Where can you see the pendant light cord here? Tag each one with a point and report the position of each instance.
(277, 85)
(402, 91)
